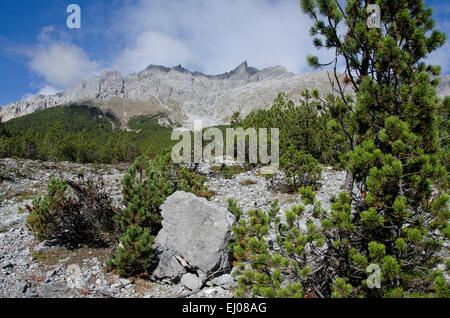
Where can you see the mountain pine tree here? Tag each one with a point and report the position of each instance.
(145, 188)
(135, 253)
(395, 156)
(394, 216)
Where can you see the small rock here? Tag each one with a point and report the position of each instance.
(209, 292)
(124, 281)
(49, 275)
(22, 287)
(30, 293)
(41, 248)
(116, 285)
(114, 291)
(191, 281)
(75, 277)
(225, 281)
(7, 265)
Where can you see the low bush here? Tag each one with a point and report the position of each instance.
(134, 254)
(295, 256)
(145, 187)
(228, 171)
(301, 168)
(306, 126)
(74, 212)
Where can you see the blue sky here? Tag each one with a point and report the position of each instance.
(39, 54)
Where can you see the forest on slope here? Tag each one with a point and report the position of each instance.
(82, 134)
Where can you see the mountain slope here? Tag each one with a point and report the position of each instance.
(75, 118)
(182, 94)
(82, 133)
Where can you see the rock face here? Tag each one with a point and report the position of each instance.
(183, 95)
(194, 239)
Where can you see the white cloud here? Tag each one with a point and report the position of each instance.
(441, 55)
(45, 90)
(441, 58)
(48, 90)
(214, 36)
(58, 63)
(27, 96)
(61, 64)
(154, 47)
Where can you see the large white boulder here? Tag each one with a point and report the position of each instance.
(194, 238)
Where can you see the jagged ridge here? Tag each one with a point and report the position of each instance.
(182, 94)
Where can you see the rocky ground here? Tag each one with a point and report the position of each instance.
(32, 269)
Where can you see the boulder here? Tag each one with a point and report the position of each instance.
(191, 281)
(53, 290)
(225, 281)
(194, 238)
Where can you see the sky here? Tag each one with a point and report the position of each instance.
(39, 54)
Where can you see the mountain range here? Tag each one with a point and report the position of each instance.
(183, 95)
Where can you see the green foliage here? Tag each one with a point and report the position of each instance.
(260, 271)
(301, 168)
(145, 188)
(3, 131)
(228, 171)
(341, 289)
(135, 253)
(442, 287)
(147, 185)
(398, 217)
(75, 118)
(235, 119)
(151, 137)
(304, 127)
(443, 124)
(307, 263)
(398, 223)
(42, 218)
(234, 209)
(75, 213)
(82, 134)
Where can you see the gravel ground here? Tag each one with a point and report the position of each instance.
(32, 269)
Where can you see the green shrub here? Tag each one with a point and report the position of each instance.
(261, 272)
(147, 185)
(301, 168)
(228, 171)
(306, 127)
(134, 254)
(75, 213)
(331, 260)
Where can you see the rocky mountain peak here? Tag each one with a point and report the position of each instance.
(184, 95)
(157, 68)
(181, 69)
(242, 68)
(243, 71)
